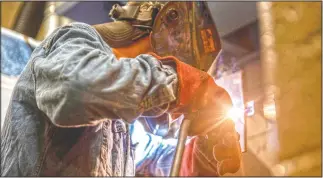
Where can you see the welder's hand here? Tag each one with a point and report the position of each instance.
(209, 107)
(199, 94)
(214, 154)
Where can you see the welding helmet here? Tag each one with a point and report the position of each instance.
(185, 30)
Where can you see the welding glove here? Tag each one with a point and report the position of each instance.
(214, 154)
(198, 94)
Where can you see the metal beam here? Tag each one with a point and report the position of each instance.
(233, 48)
(247, 58)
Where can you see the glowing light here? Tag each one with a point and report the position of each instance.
(270, 111)
(234, 114)
(250, 108)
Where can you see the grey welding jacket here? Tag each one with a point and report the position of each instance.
(69, 110)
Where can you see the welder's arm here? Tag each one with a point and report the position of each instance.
(80, 82)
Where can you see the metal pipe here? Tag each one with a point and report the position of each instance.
(177, 162)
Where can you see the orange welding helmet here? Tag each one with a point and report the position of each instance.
(185, 30)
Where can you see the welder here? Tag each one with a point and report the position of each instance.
(73, 106)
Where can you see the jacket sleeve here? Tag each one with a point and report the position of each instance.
(80, 82)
